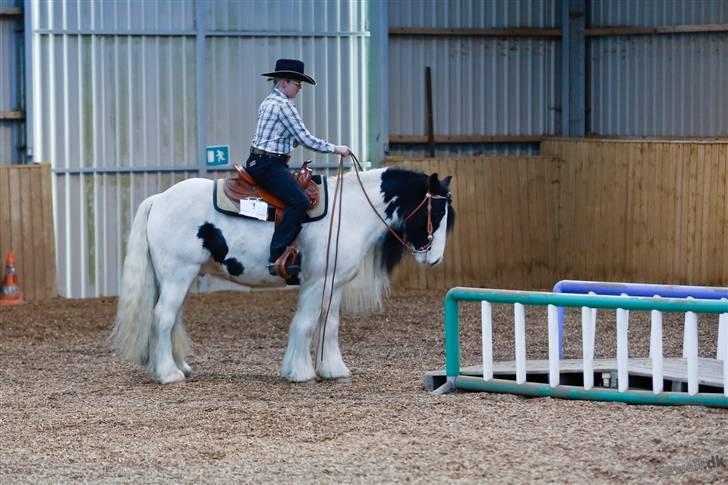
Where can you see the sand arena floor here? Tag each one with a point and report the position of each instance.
(70, 411)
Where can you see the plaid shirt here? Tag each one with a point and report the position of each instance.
(280, 125)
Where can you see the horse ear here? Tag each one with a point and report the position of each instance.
(434, 183)
(446, 182)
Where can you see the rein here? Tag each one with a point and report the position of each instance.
(338, 194)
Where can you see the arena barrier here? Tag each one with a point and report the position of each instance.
(642, 289)
(708, 375)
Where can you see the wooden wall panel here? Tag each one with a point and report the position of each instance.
(26, 228)
(643, 211)
(612, 210)
(506, 225)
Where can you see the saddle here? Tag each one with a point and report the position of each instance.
(244, 186)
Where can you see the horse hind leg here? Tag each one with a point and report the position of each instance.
(180, 345)
(162, 363)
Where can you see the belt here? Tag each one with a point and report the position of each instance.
(258, 151)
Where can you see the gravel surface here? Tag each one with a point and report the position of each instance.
(71, 411)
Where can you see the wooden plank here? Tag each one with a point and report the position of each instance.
(26, 254)
(691, 226)
(5, 227)
(658, 30)
(11, 11)
(422, 139)
(16, 223)
(710, 371)
(11, 115)
(475, 32)
(721, 155)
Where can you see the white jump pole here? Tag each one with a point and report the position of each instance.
(553, 345)
(622, 349)
(691, 348)
(656, 350)
(587, 343)
(486, 315)
(520, 336)
(722, 349)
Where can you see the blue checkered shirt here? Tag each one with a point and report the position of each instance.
(280, 125)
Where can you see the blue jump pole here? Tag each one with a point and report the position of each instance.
(632, 289)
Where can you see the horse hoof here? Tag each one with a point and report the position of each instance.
(172, 377)
(185, 368)
(298, 377)
(338, 374)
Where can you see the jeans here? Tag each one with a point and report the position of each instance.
(273, 175)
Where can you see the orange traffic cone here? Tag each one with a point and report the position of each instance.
(11, 294)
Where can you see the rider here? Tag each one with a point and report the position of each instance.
(280, 129)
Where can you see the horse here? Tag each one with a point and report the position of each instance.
(177, 235)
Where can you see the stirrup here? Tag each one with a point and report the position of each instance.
(288, 264)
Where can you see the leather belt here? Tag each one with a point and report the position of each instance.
(280, 156)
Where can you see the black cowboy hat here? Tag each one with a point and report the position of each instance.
(289, 69)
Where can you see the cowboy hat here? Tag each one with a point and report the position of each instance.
(289, 69)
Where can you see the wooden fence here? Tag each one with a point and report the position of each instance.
(652, 211)
(506, 227)
(26, 228)
(642, 211)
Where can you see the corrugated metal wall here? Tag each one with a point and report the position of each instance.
(116, 103)
(659, 85)
(481, 85)
(10, 44)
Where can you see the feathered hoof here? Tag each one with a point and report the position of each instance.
(339, 373)
(185, 368)
(171, 377)
(300, 376)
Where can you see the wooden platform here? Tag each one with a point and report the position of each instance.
(710, 372)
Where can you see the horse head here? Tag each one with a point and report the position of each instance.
(427, 226)
(426, 216)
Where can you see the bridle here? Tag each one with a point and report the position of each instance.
(337, 200)
(425, 248)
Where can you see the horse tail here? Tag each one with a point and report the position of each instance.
(138, 293)
(366, 292)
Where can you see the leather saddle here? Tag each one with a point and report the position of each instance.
(244, 186)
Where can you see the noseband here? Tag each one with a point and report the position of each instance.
(428, 198)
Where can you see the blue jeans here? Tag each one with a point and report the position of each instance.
(273, 175)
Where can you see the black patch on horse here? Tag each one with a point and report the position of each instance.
(403, 191)
(214, 241)
(234, 267)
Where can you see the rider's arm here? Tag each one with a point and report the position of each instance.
(294, 124)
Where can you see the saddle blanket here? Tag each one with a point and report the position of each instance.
(223, 204)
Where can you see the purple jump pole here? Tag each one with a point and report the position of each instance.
(632, 289)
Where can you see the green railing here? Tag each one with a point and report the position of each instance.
(674, 305)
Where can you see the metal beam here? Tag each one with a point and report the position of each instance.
(11, 11)
(11, 115)
(660, 30)
(422, 139)
(494, 32)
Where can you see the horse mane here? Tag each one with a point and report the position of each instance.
(402, 190)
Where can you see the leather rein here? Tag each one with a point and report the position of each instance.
(337, 200)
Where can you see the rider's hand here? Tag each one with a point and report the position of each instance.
(343, 150)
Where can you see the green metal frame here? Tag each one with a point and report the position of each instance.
(674, 305)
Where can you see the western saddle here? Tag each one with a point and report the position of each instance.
(244, 186)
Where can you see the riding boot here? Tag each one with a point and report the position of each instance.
(287, 265)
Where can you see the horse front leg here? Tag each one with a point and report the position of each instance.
(297, 364)
(329, 362)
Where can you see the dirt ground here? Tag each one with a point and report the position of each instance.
(71, 411)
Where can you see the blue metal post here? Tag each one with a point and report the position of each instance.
(632, 289)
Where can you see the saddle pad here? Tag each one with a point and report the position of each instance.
(223, 204)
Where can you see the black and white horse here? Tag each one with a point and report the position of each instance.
(177, 235)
